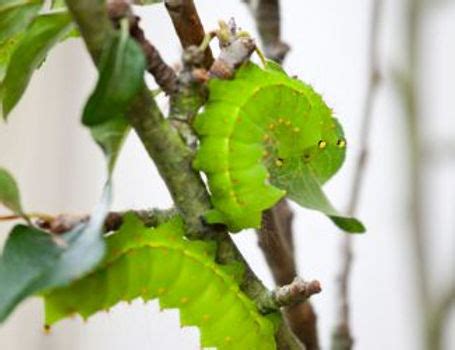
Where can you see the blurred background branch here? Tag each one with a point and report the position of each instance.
(434, 306)
(342, 338)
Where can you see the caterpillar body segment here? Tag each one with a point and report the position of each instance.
(160, 263)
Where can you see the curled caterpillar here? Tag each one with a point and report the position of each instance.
(265, 135)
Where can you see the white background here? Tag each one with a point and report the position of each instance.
(61, 170)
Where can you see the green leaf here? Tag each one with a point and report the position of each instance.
(9, 192)
(265, 135)
(27, 255)
(121, 74)
(161, 263)
(85, 247)
(6, 50)
(44, 32)
(34, 261)
(303, 186)
(15, 16)
(110, 135)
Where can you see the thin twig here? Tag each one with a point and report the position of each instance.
(342, 336)
(66, 222)
(273, 243)
(433, 310)
(25, 216)
(276, 242)
(235, 49)
(296, 292)
(439, 317)
(164, 75)
(188, 26)
(267, 16)
(417, 167)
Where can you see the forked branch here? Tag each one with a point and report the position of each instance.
(188, 26)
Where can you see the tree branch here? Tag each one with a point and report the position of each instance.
(342, 336)
(272, 241)
(66, 222)
(192, 92)
(164, 75)
(296, 292)
(433, 310)
(417, 167)
(235, 49)
(440, 314)
(267, 16)
(276, 242)
(173, 160)
(188, 26)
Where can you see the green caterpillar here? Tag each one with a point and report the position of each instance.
(160, 263)
(265, 135)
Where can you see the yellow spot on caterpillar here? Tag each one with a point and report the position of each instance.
(227, 339)
(341, 143)
(184, 300)
(265, 154)
(280, 120)
(279, 162)
(287, 122)
(161, 290)
(322, 144)
(266, 137)
(271, 126)
(232, 194)
(47, 329)
(296, 129)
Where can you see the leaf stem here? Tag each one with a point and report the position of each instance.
(33, 215)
